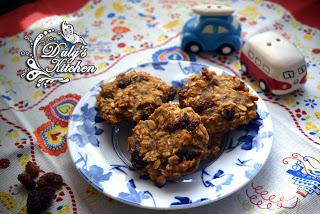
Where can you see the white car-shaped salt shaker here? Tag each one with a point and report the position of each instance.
(273, 61)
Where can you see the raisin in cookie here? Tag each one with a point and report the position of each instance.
(132, 96)
(223, 102)
(171, 143)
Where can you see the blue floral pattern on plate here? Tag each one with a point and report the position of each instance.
(87, 129)
(99, 152)
(217, 180)
(135, 196)
(186, 200)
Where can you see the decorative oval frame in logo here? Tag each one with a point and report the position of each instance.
(62, 54)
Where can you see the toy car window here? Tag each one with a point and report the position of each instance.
(288, 74)
(235, 23)
(251, 54)
(266, 68)
(258, 61)
(222, 29)
(208, 29)
(302, 69)
(197, 22)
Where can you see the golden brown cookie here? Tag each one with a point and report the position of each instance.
(171, 143)
(132, 96)
(223, 102)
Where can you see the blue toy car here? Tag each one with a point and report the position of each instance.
(214, 29)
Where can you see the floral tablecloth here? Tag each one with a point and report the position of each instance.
(120, 34)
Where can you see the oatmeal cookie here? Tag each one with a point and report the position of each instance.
(132, 96)
(171, 143)
(216, 145)
(223, 102)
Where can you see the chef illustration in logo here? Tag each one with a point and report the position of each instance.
(68, 34)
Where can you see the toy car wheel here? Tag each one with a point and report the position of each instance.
(225, 49)
(244, 68)
(193, 47)
(263, 86)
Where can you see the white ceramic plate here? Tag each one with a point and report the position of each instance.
(99, 151)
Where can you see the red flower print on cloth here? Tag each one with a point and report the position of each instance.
(299, 113)
(21, 104)
(286, 17)
(97, 23)
(117, 37)
(278, 26)
(307, 31)
(21, 143)
(252, 23)
(4, 163)
(242, 19)
(59, 196)
(146, 45)
(298, 93)
(121, 45)
(316, 50)
(13, 50)
(138, 37)
(114, 56)
(19, 72)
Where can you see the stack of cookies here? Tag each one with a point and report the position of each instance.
(170, 140)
